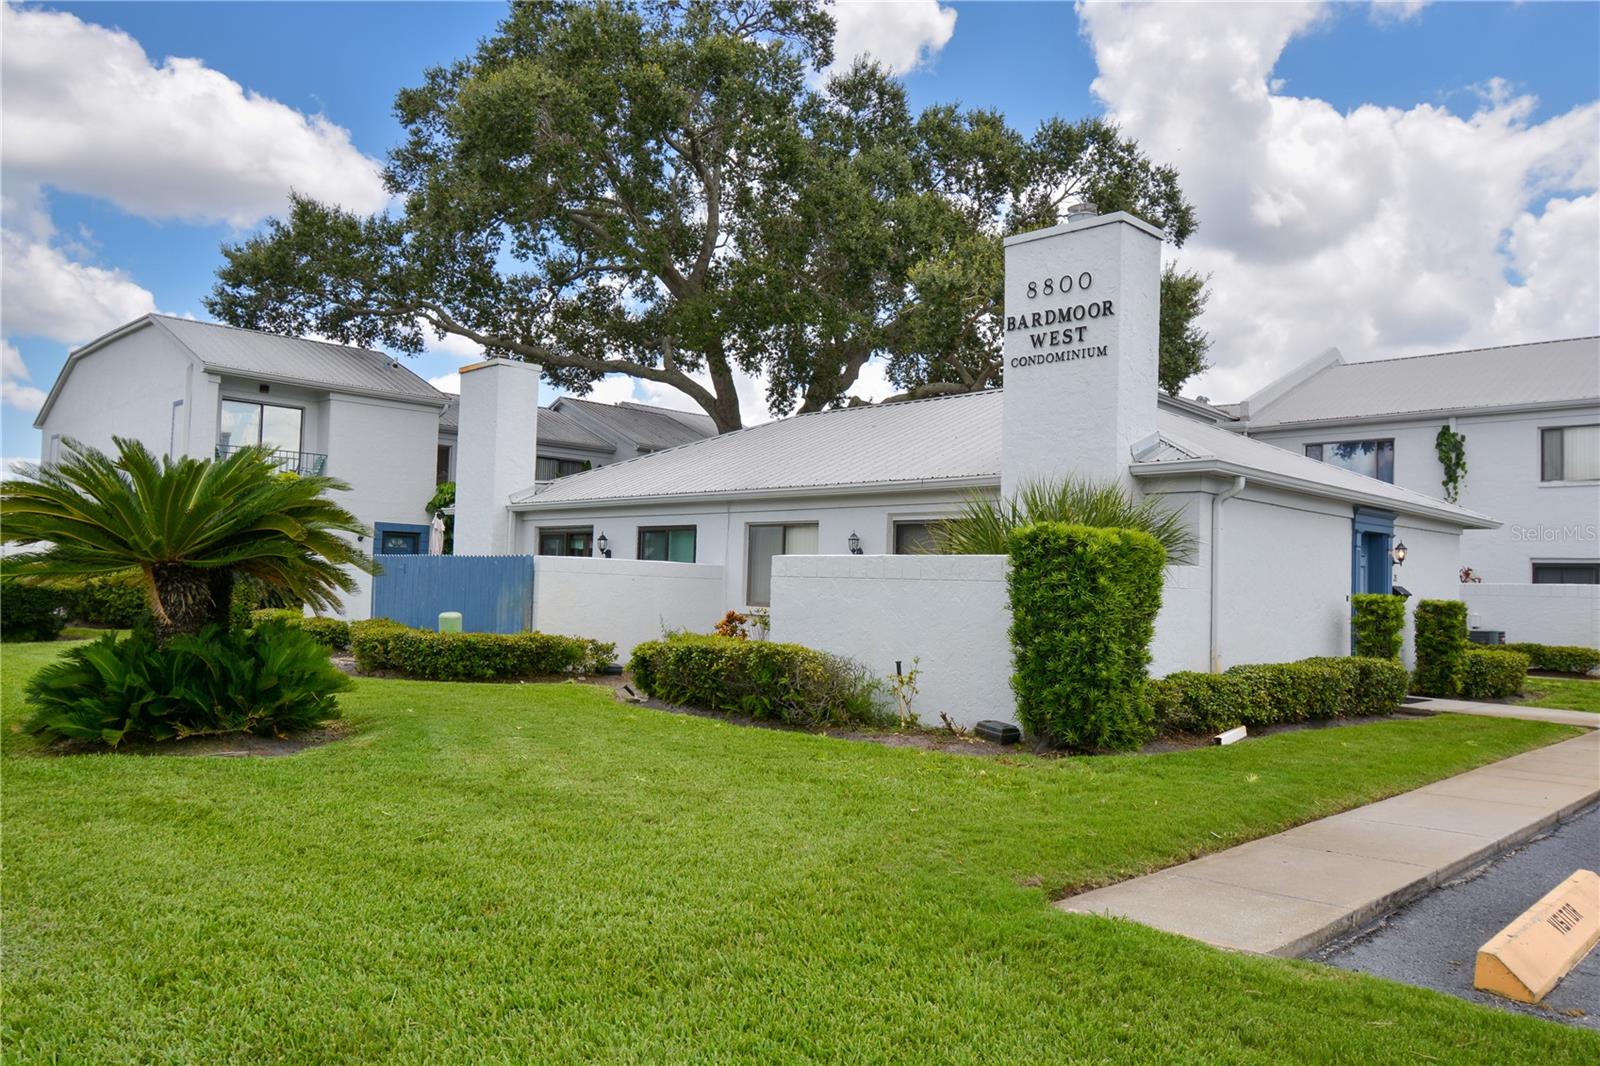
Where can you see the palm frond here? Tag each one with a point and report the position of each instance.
(983, 525)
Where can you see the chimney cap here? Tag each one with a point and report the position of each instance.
(1079, 210)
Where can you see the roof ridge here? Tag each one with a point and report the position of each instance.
(1468, 351)
(276, 336)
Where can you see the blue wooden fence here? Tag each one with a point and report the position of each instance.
(494, 593)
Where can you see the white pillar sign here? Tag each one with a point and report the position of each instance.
(1082, 326)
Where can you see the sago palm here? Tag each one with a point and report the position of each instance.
(185, 529)
(983, 524)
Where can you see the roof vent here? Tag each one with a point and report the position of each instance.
(1080, 210)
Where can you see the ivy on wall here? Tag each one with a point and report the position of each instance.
(1452, 449)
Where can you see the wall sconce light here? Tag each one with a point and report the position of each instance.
(1398, 553)
(855, 543)
(604, 546)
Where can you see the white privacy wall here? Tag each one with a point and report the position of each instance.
(624, 600)
(951, 611)
(1543, 614)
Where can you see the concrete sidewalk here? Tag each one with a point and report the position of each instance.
(1581, 719)
(1290, 893)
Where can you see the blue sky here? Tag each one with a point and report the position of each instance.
(1429, 68)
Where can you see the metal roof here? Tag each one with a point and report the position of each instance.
(648, 428)
(944, 439)
(229, 350)
(1518, 375)
(952, 440)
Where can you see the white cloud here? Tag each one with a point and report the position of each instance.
(14, 388)
(1396, 10)
(901, 34)
(49, 295)
(87, 111)
(1382, 231)
(450, 383)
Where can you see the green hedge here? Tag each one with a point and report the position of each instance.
(120, 605)
(1492, 673)
(30, 612)
(1558, 658)
(1378, 620)
(1273, 693)
(784, 682)
(1441, 627)
(268, 680)
(1083, 610)
(331, 633)
(384, 646)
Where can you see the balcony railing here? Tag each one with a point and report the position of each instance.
(287, 461)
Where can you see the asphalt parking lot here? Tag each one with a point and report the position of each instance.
(1434, 941)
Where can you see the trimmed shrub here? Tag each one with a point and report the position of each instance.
(1083, 610)
(1441, 644)
(331, 633)
(30, 612)
(1378, 621)
(1557, 658)
(1492, 674)
(107, 603)
(782, 682)
(268, 680)
(1272, 693)
(384, 646)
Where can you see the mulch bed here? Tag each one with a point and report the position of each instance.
(224, 746)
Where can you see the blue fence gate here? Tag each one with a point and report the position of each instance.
(494, 593)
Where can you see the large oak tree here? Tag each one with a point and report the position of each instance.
(656, 189)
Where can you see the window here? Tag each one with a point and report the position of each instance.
(765, 542)
(570, 542)
(245, 423)
(393, 538)
(547, 468)
(667, 544)
(1566, 573)
(1569, 453)
(913, 538)
(1374, 458)
(441, 473)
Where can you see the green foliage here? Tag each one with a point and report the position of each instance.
(30, 612)
(445, 496)
(382, 646)
(1492, 674)
(1379, 622)
(1274, 693)
(1558, 658)
(1183, 343)
(1441, 642)
(666, 191)
(269, 680)
(331, 633)
(782, 682)
(1451, 447)
(1083, 610)
(984, 525)
(188, 530)
(118, 604)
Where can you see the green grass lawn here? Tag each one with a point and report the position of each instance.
(1572, 694)
(506, 873)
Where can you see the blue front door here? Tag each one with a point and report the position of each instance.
(1372, 533)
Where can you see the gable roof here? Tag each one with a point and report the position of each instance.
(271, 357)
(1330, 389)
(945, 442)
(647, 428)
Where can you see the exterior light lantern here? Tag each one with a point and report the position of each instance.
(855, 543)
(604, 546)
(1398, 553)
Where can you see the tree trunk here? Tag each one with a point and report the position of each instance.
(186, 602)
(724, 409)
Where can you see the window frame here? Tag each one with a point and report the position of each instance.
(566, 532)
(1321, 456)
(261, 423)
(895, 525)
(750, 527)
(1562, 479)
(583, 466)
(1556, 564)
(669, 530)
(382, 529)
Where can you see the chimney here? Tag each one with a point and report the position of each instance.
(497, 441)
(1081, 339)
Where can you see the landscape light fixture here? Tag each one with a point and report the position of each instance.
(604, 546)
(855, 543)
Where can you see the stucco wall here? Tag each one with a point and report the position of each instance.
(624, 600)
(1541, 522)
(951, 611)
(1545, 614)
(126, 389)
(1431, 571)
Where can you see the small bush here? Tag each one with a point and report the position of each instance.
(1273, 693)
(268, 680)
(384, 646)
(783, 682)
(331, 633)
(30, 612)
(1441, 637)
(1379, 622)
(1083, 610)
(1492, 674)
(120, 605)
(1558, 658)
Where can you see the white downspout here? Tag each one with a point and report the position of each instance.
(1216, 568)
